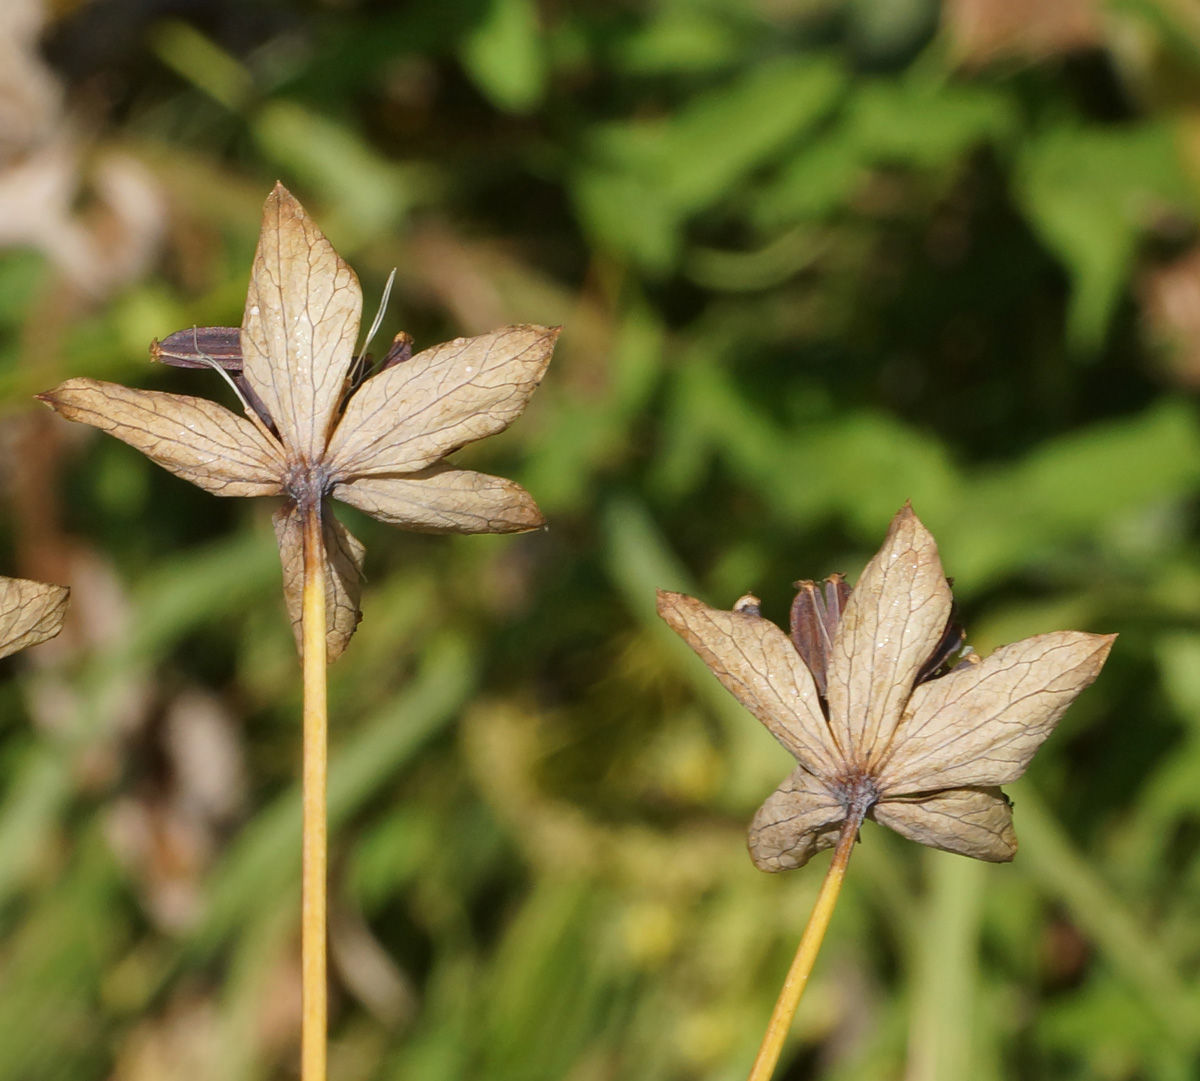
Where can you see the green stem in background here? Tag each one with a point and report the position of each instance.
(1100, 911)
(806, 954)
(945, 1034)
(313, 877)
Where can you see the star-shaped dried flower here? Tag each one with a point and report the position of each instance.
(30, 612)
(315, 429)
(886, 715)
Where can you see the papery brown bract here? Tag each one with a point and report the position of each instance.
(923, 756)
(30, 612)
(312, 432)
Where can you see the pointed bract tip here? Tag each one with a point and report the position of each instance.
(528, 519)
(665, 600)
(551, 335)
(545, 332)
(283, 201)
(907, 517)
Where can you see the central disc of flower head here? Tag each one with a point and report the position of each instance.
(857, 793)
(308, 483)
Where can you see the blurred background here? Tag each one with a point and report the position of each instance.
(813, 259)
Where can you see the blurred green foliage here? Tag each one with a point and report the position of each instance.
(813, 259)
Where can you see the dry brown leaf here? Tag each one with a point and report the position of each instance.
(1170, 297)
(313, 429)
(96, 213)
(30, 612)
(905, 736)
(983, 31)
(30, 95)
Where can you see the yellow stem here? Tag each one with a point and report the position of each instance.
(806, 955)
(313, 885)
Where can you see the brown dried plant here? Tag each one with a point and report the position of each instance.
(889, 717)
(313, 432)
(318, 426)
(30, 612)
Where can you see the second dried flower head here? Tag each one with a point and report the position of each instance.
(886, 716)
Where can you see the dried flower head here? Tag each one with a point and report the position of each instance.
(30, 612)
(887, 715)
(315, 428)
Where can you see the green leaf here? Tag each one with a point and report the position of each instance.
(954, 118)
(655, 174)
(1091, 193)
(203, 63)
(681, 37)
(914, 121)
(505, 55)
(367, 194)
(1008, 516)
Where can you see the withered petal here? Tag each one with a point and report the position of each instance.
(442, 499)
(798, 820)
(198, 440)
(974, 822)
(343, 575)
(816, 612)
(200, 347)
(760, 667)
(893, 621)
(30, 612)
(412, 414)
(300, 327)
(980, 725)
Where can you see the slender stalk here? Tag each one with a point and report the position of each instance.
(806, 954)
(313, 885)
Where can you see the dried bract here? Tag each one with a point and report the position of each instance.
(886, 715)
(30, 612)
(316, 427)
